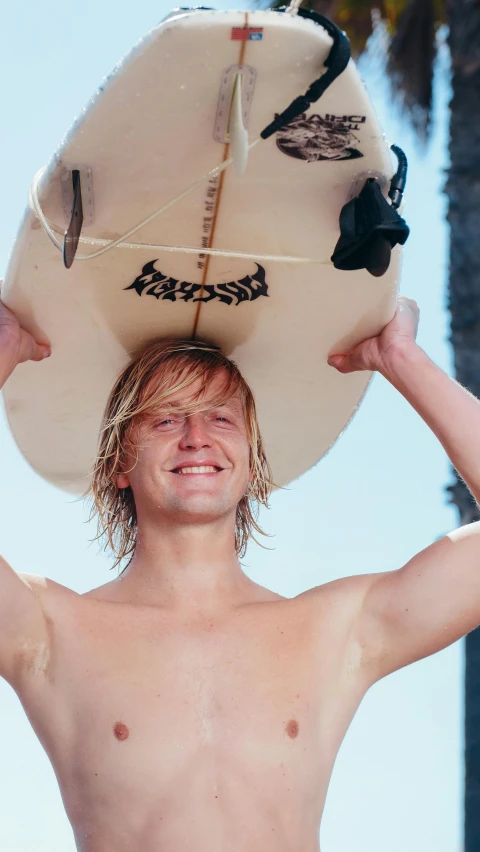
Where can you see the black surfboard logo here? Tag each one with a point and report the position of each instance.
(153, 282)
(317, 137)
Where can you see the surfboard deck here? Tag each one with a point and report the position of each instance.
(153, 129)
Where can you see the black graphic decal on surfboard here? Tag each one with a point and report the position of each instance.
(153, 282)
(321, 138)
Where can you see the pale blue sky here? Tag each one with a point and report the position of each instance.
(372, 503)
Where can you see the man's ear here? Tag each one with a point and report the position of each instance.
(122, 480)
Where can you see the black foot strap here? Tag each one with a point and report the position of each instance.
(370, 227)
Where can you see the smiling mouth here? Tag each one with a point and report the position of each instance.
(202, 470)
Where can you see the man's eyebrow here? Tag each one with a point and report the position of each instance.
(230, 403)
(174, 405)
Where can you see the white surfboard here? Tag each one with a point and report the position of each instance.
(251, 271)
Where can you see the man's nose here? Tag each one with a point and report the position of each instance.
(195, 433)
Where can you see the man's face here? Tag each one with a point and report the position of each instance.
(172, 443)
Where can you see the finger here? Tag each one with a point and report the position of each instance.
(40, 351)
(334, 360)
(340, 362)
(30, 350)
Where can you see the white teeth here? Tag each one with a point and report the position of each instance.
(204, 469)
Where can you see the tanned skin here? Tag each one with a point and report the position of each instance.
(186, 708)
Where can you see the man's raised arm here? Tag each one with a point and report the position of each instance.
(23, 626)
(434, 599)
(24, 634)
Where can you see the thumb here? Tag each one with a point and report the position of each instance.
(338, 361)
(30, 350)
(42, 350)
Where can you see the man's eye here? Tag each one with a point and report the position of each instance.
(220, 417)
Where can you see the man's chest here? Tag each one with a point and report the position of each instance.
(139, 701)
(179, 688)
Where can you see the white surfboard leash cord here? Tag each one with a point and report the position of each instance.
(106, 245)
(335, 63)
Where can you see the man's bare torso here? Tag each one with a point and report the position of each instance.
(171, 734)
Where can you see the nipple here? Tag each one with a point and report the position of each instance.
(121, 731)
(292, 728)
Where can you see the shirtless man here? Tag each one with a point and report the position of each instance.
(185, 708)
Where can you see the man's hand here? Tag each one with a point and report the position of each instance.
(375, 352)
(16, 344)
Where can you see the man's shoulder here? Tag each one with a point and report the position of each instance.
(48, 591)
(344, 595)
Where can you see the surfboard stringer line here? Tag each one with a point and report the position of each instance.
(218, 198)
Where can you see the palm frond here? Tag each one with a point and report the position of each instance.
(410, 64)
(412, 26)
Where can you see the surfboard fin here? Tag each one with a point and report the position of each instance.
(72, 234)
(237, 133)
(369, 228)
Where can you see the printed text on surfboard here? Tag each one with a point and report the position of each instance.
(153, 282)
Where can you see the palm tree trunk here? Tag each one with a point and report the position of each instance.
(463, 191)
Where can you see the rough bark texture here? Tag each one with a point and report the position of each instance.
(463, 191)
(411, 58)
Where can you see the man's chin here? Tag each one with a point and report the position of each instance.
(199, 508)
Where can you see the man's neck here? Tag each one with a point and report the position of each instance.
(186, 568)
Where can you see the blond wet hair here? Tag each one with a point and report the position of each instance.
(144, 386)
